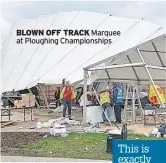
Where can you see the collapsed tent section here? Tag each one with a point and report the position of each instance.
(23, 65)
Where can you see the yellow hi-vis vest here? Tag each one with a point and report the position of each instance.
(104, 98)
(153, 97)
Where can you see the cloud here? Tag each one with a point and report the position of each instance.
(155, 12)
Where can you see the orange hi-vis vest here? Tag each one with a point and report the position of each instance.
(67, 94)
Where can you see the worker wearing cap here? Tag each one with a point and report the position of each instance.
(67, 95)
(106, 103)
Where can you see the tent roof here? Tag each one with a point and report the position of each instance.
(24, 65)
(49, 82)
(117, 66)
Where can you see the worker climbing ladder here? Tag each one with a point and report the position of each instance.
(132, 95)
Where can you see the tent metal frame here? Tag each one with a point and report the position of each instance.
(125, 53)
(140, 64)
(45, 97)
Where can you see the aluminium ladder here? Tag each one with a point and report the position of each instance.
(132, 95)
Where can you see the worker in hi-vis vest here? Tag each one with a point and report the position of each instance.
(118, 100)
(67, 95)
(106, 103)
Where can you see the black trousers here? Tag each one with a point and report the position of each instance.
(57, 103)
(117, 110)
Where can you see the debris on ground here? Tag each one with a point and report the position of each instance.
(3, 124)
(45, 136)
(117, 132)
(94, 130)
(154, 132)
(20, 127)
(58, 130)
(32, 127)
(59, 109)
(61, 121)
(162, 129)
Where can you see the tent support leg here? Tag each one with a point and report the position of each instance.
(99, 103)
(35, 99)
(133, 107)
(45, 98)
(151, 79)
(85, 96)
(139, 101)
(10, 100)
(126, 104)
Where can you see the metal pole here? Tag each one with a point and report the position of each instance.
(99, 102)
(85, 96)
(126, 104)
(31, 113)
(10, 99)
(9, 113)
(1, 114)
(24, 114)
(45, 99)
(35, 99)
(133, 106)
(151, 79)
(139, 101)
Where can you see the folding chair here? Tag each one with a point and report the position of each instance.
(149, 111)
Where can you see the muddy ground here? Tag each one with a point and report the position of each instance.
(11, 142)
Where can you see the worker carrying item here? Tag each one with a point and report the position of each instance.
(118, 100)
(106, 103)
(67, 95)
(153, 97)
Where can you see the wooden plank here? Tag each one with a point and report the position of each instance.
(18, 108)
(7, 123)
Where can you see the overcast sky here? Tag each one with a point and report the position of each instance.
(154, 12)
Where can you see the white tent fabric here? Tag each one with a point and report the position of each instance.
(154, 56)
(24, 65)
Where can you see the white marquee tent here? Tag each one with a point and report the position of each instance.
(24, 65)
(142, 64)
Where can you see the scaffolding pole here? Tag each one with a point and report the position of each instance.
(139, 101)
(45, 98)
(85, 96)
(150, 77)
(35, 99)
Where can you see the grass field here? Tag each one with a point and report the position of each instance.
(76, 145)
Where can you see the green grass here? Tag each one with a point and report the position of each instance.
(76, 145)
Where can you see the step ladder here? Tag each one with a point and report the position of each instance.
(130, 105)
